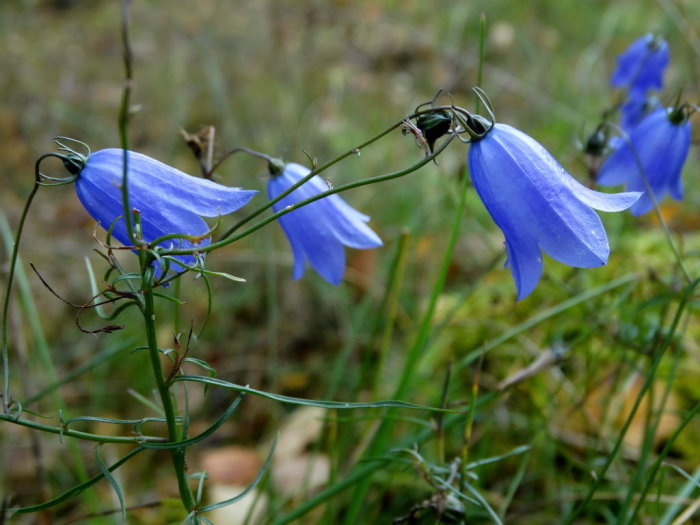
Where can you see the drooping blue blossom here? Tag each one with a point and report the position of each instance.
(168, 200)
(641, 66)
(656, 149)
(539, 206)
(319, 231)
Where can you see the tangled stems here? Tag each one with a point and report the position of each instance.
(39, 180)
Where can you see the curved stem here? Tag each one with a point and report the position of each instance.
(331, 191)
(319, 169)
(87, 436)
(6, 302)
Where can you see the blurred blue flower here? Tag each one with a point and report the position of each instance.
(169, 201)
(318, 231)
(633, 111)
(661, 142)
(641, 66)
(539, 206)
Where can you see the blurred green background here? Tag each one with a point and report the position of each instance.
(320, 77)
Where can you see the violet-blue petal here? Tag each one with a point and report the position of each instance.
(319, 231)
(634, 109)
(169, 201)
(657, 146)
(641, 66)
(538, 205)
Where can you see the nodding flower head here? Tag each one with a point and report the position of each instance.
(168, 201)
(641, 66)
(539, 206)
(319, 231)
(651, 157)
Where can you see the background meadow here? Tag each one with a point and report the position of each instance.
(320, 77)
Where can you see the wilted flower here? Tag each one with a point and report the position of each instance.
(539, 206)
(168, 200)
(641, 66)
(318, 231)
(656, 149)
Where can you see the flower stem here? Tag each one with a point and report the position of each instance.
(379, 178)
(178, 454)
(6, 303)
(353, 151)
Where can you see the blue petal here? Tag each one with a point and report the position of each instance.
(602, 201)
(532, 189)
(318, 231)
(538, 205)
(151, 179)
(169, 201)
(525, 261)
(641, 66)
(661, 149)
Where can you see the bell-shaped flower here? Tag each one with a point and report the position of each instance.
(319, 231)
(641, 66)
(168, 201)
(656, 149)
(539, 206)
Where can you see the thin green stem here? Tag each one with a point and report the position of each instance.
(331, 191)
(414, 354)
(650, 377)
(6, 302)
(178, 454)
(62, 431)
(353, 151)
(482, 48)
(124, 120)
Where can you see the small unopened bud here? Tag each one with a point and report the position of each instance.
(434, 125)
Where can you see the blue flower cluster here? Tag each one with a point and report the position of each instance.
(650, 155)
(534, 201)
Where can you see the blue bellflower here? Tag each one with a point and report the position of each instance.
(658, 145)
(168, 200)
(539, 206)
(319, 231)
(641, 66)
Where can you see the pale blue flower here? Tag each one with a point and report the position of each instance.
(539, 206)
(656, 148)
(319, 231)
(168, 200)
(641, 66)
